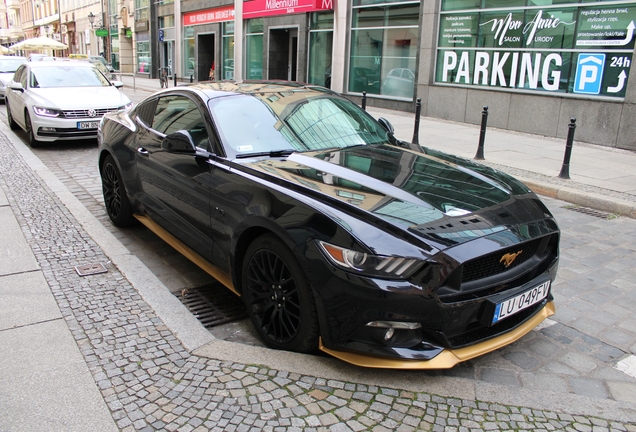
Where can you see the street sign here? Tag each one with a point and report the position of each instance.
(589, 73)
(101, 32)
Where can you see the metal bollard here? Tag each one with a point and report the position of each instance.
(565, 168)
(482, 134)
(175, 79)
(416, 131)
(191, 78)
(364, 100)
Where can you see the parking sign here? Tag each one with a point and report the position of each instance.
(589, 73)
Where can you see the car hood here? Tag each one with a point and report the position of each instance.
(416, 190)
(79, 97)
(5, 77)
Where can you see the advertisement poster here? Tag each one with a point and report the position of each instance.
(579, 50)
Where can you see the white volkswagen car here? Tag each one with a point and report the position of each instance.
(62, 100)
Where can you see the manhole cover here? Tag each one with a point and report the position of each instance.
(90, 269)
(590, 212)
(212, 304)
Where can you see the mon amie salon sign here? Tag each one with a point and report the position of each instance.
(585, 50)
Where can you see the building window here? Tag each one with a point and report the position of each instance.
(384, 41)
(254, 49)
(166, 21)
(142, 10)
(227, 71)
(320, 48)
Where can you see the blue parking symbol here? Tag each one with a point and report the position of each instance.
(589, 73)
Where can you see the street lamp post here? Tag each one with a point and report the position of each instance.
(91, 20)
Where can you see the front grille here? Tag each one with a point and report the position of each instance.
(487, 275)
(83, 113)
(491, 264)
(481, 333)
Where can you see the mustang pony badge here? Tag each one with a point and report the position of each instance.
(509, 258)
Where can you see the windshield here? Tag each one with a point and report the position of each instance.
(67, 76)
(267, 122)
(10, 65)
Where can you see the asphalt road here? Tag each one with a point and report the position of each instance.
(584, 349)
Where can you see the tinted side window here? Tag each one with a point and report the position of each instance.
(174, 113)
(145, 111)
(20, 75)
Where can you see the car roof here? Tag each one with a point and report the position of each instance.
(222, 88)
(61, 62)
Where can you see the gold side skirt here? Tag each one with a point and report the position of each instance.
(184, 250)
(447, 358)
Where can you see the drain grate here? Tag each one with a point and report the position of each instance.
(590, 212)
(212, 304)
(90, 269)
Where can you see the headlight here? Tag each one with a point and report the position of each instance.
(370, 265)
(125, 107)
(47, 112)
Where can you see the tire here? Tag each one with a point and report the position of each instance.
(33, 142)
(278, 298)
(12, 124)
(116, 200)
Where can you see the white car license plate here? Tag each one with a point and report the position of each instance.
(522, 301)
(87, 125)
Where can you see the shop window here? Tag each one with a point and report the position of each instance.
(555, 46)
(254, 46)
(384, 40)
(144, 63)
(227, 71)
(188, 49)
(320, 49)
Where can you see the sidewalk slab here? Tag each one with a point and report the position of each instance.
(45, 383)
(26, 299)
(15, 253)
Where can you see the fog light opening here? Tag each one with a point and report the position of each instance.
(395, 325)
(395, 334)
(47, 129)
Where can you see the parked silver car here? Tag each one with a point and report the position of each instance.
(8, 66)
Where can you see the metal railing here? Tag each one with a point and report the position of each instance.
(120, 74)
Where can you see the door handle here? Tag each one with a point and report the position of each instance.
(142, 151)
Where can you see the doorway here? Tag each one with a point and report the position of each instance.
(167, 56)
(205, 56)
(283, 54)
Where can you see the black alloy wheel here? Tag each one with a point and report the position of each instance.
(117, 203)
(278, 297)
(12, 124)
(33, 142)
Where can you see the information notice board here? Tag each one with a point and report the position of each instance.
(575, 49)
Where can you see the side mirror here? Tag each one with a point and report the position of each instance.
(179, 142)
(117, 84)
(16, 86)
(386, 125)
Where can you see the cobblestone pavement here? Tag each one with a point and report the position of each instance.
(150, 381)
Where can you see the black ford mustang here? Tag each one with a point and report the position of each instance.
(336, 235)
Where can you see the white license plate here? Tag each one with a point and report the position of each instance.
(87, 125)
(522, 301)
